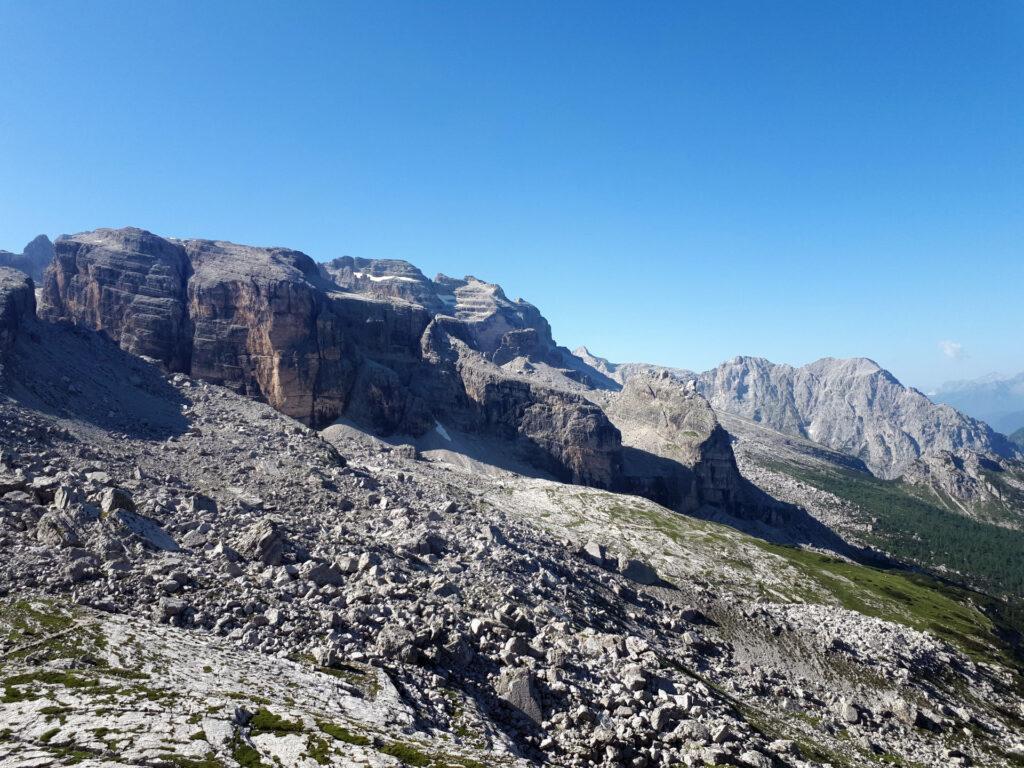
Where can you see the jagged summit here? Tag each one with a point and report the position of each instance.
(33, 260)
(852, 405)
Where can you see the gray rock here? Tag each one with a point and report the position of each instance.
(516, 686)
(113, 499)
(57, 529)
(148, 531)
(640, 572)
(322, 574)
(264, 542)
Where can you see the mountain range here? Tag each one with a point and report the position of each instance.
(997, 400)
(457, 539)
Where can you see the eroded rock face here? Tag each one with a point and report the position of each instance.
(490, 323)
(583, 445)
(263, 325)
(676, 451)
(559, 431)
(350, 338)
(17, 305)
(385, 279)
(253, 319)
(128, 283)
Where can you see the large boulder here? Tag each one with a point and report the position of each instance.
(263, 542)
(517, 686)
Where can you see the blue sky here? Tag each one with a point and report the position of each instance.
(670, 182)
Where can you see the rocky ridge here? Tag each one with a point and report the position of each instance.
(373, 341)
(853, 406)
(33, 260)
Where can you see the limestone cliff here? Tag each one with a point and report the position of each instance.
(319, 342)
(676, 450)
(17, 306)
(33, 261)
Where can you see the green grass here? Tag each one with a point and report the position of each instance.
(245, 755)
(51, 677)
(912, 599)
(208, 761)
(265, 721)
(924, 532)
(408, 754)
(343, 734)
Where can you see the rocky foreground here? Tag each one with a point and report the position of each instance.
(192, 578)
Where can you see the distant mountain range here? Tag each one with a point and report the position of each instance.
(998, 400)
(849, 405)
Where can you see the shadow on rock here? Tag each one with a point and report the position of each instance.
(72, 373)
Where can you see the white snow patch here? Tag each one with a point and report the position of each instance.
(442, 431)
(382, 278)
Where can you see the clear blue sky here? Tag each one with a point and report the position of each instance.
(672, 182)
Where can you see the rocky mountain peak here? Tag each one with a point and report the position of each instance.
(851, 405)
(33, 260)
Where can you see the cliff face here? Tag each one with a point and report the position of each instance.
(676, 450)
(127, 283)
(17, 306)
(560, 431)
(272, 324)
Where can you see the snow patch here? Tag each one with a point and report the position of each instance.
(382, 278)
(442, 431)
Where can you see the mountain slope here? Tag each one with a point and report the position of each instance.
(996, 400)
(852, 406)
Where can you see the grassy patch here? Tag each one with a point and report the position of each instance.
(51, 677)
(244, 754)
(914, 600)
(265, 721)
(207, 761)
(407, 753)
(343, 734)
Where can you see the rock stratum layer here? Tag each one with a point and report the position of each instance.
(372, 341)
(17, 306)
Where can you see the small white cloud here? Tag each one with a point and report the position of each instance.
(954, 350)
